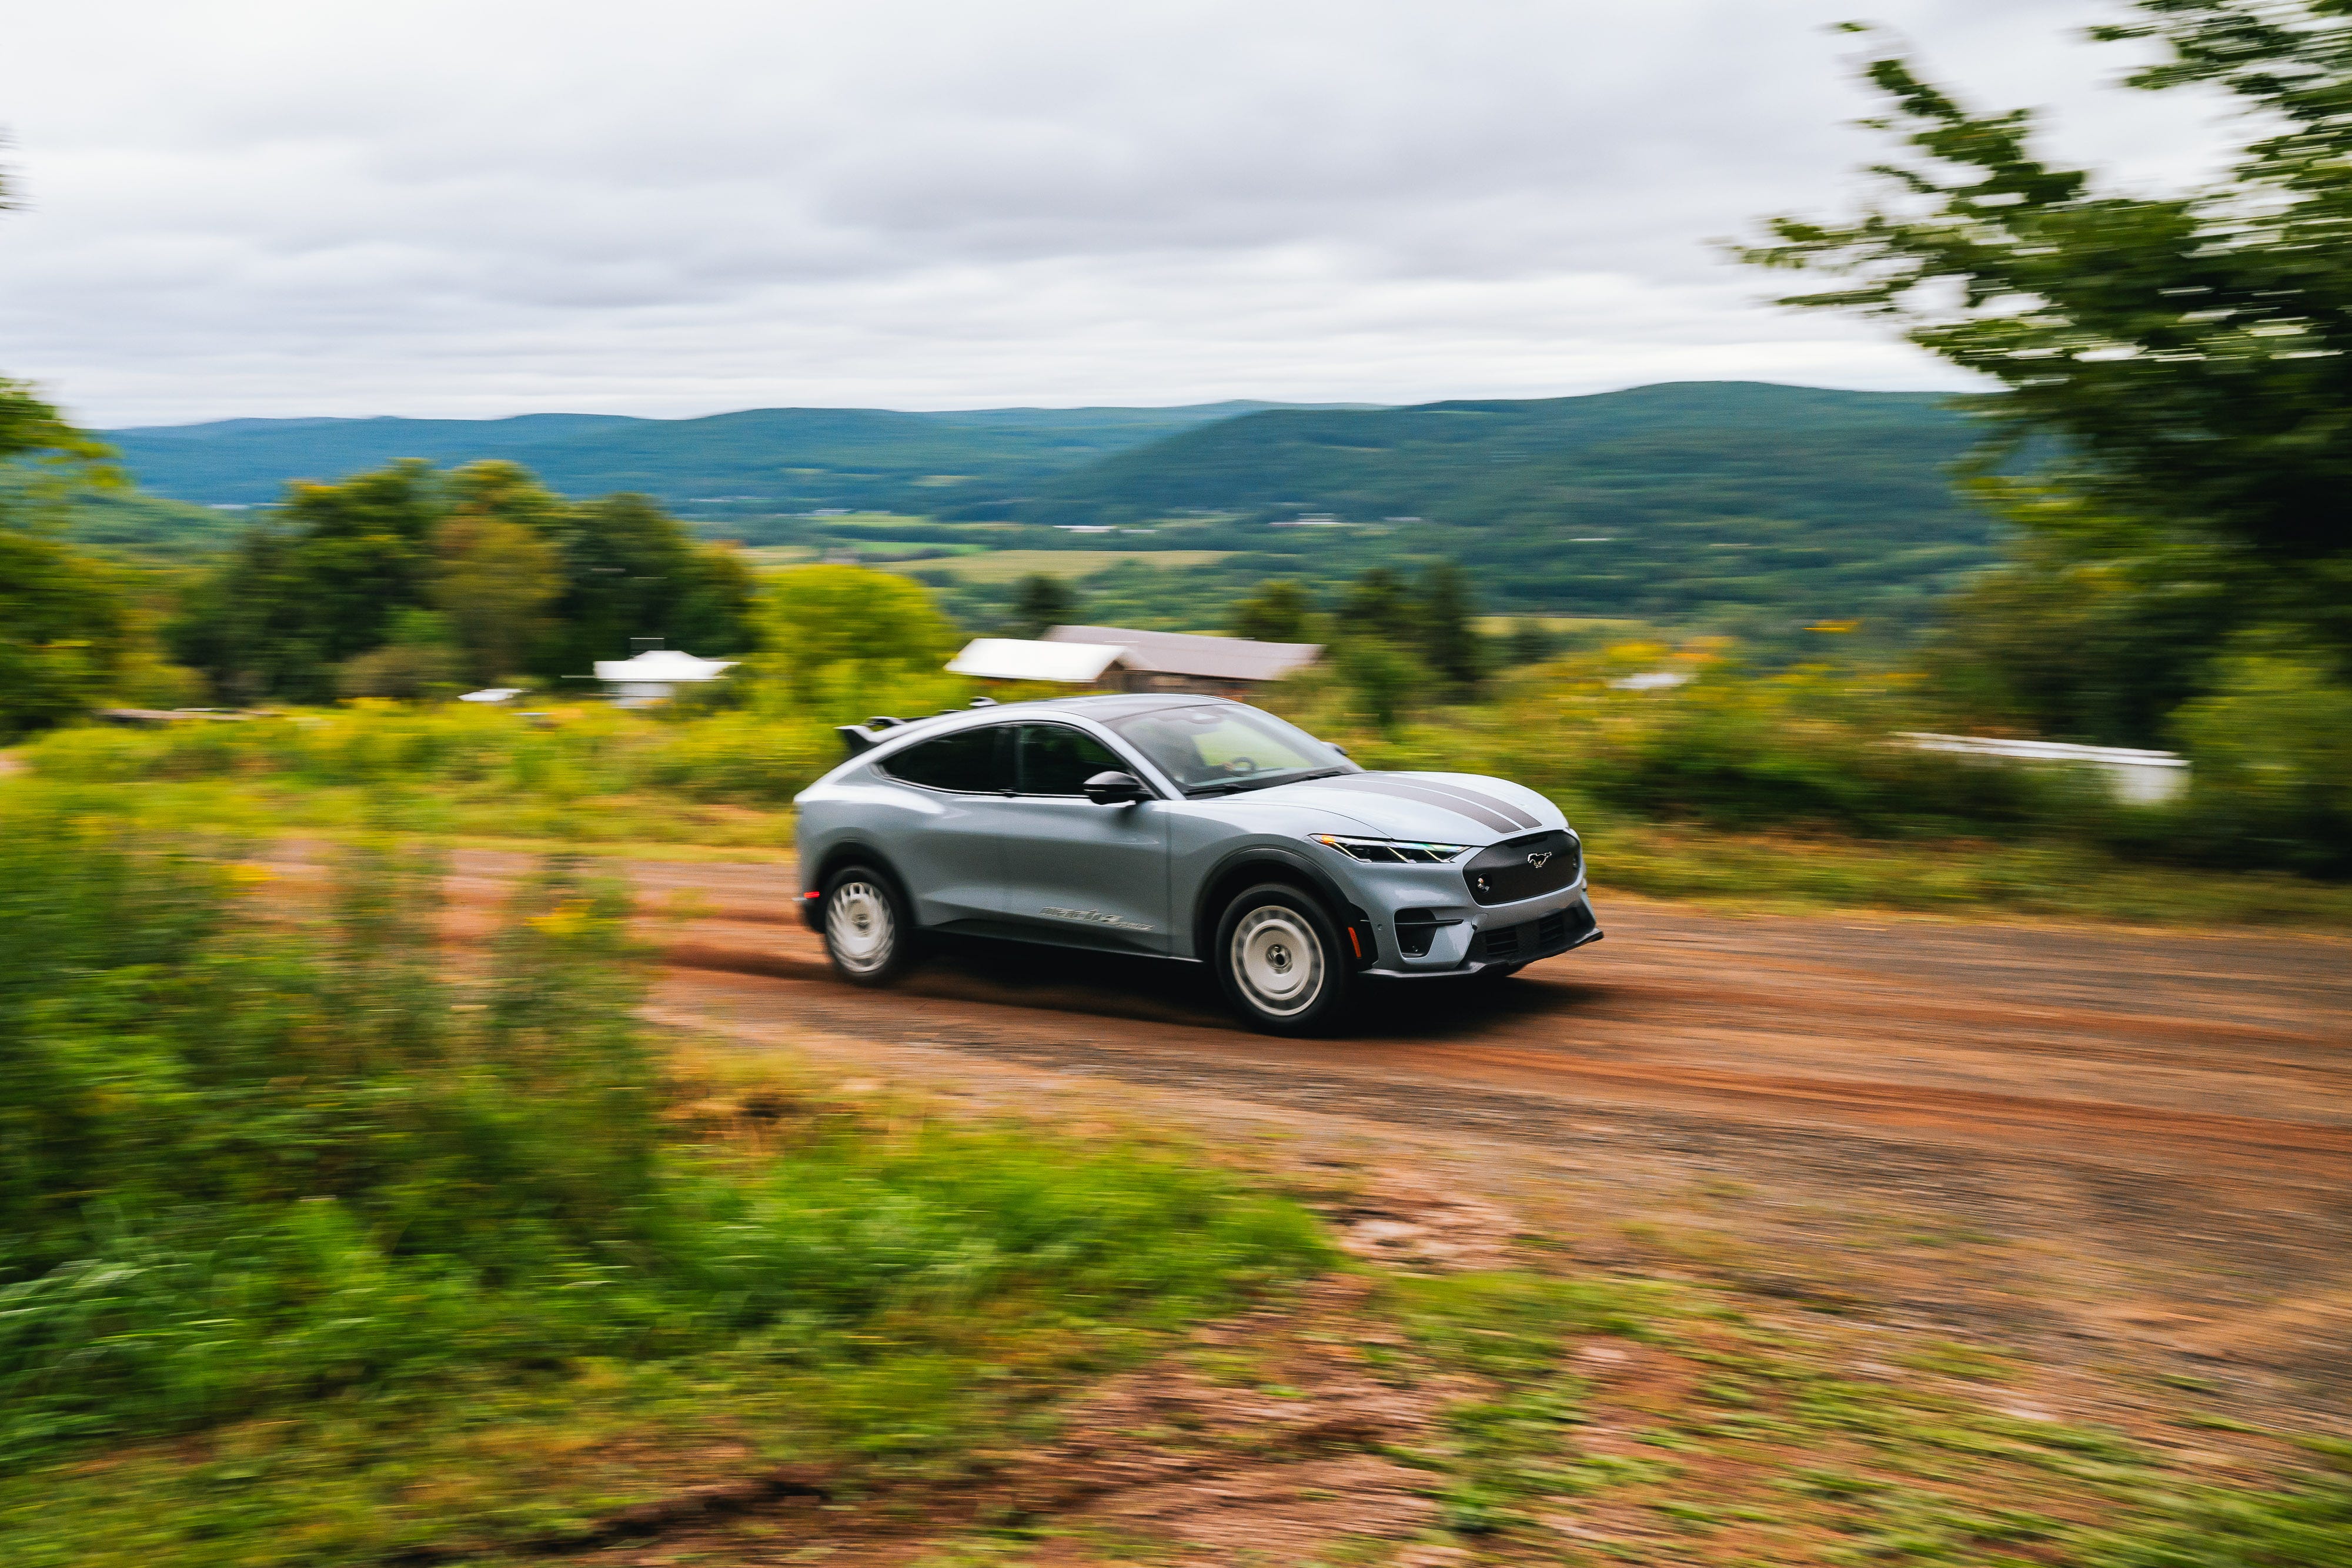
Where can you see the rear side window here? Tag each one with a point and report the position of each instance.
(1059, 760)
(965, 761)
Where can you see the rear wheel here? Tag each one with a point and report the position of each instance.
(1278, 958)
(867, 934)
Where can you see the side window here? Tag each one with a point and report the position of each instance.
(1059, 760)
(965, 760)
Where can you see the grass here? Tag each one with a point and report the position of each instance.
(311, 1249)
(1796, 874)
(1727, 1441)
(316, 1247)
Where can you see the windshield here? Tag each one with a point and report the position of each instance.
(1220, 745)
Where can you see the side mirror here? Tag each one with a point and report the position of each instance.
(1114, 789)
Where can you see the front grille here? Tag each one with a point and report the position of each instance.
(1507, 872)
(1539, 938)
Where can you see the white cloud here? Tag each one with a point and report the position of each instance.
(251, 206)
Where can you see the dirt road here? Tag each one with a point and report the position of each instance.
(2094, 1139)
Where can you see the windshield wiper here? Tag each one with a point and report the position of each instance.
(1236, 786)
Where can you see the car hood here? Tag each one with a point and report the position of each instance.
(1444, 808)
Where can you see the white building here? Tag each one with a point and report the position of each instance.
(656, 674)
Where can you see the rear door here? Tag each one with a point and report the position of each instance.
(1075, 872)
(949, 845)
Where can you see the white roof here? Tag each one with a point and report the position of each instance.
(663, 665)
(1018, 659)
(1189, 654)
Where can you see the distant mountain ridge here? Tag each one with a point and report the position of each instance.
(791, 458)
(1680, 499)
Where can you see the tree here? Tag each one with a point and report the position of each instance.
(1279, 612)
(1383, 679)
(1043, 602)
(2185, 361)
(531, 583)
(64, 632)
(494, 580)
(1531, 641)
(831, 633)
(1377, 604)
(1449, 640)
(64, 622)
(422, 660)
(630, 570)
(316, 585)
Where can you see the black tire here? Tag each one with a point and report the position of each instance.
(869, 933)
(1278, 955)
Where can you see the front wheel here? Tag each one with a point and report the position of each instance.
(867, 934)
(1278, 958)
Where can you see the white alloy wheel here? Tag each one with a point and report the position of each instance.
(1279, 959)
(859, 928)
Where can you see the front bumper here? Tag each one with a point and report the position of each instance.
(1458, 936)
(1498, 944)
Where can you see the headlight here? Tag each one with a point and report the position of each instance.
(1393, 851)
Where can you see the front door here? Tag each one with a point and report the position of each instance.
(1074, 872)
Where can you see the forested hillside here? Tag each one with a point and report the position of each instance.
(771, 459)
(1657, 500)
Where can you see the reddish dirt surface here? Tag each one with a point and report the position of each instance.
(2122, 1156)
(2148, 1113)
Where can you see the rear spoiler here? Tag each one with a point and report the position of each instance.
(861, 738)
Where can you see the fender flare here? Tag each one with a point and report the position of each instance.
(854, 851)
(1290, 865)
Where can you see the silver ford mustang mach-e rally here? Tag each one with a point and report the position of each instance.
(1188, 828)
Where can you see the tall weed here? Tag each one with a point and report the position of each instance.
(253, 1159)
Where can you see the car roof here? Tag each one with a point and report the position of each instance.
(1099, 708)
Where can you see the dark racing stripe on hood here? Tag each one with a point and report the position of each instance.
(1480, 809)
(1518, 815)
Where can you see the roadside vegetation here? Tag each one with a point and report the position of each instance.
(1713, 1437)
(1748, 788)
(311, 1249)
(315, 1246)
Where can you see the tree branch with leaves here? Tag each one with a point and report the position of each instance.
(2193, 352)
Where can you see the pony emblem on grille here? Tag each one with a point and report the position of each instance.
(1537, 859)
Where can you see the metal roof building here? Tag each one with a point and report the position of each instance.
(1130, 661)
(1184, 661)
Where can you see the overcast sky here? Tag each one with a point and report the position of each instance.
(251, 208)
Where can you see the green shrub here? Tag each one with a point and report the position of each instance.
(2272, 750)
(752, 759)
(248, 1162)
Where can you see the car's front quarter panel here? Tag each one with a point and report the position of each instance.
(1208, 839)
(1209, 836)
